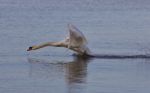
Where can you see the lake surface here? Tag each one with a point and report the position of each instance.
(119, 27)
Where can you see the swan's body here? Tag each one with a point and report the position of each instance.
(75, 41)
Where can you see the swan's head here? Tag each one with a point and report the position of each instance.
(31, 48)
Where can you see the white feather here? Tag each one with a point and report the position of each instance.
(76, 37)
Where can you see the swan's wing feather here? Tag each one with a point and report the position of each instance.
(76, 37)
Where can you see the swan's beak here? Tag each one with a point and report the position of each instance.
(29, 49)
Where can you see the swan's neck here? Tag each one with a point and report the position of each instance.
(55, 44)
(82, 50)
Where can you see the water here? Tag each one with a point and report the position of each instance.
(112, 27)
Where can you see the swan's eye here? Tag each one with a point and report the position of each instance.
(30, 48)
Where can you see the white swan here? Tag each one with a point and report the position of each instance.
(75, 41)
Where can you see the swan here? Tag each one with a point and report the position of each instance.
(77, 42)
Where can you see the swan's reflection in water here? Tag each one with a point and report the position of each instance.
(71, 73)
(76, 72)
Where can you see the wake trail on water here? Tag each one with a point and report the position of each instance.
(117, 56)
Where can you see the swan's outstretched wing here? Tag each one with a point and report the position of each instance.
(76, 37)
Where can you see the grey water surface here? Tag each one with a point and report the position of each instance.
(120, 27)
